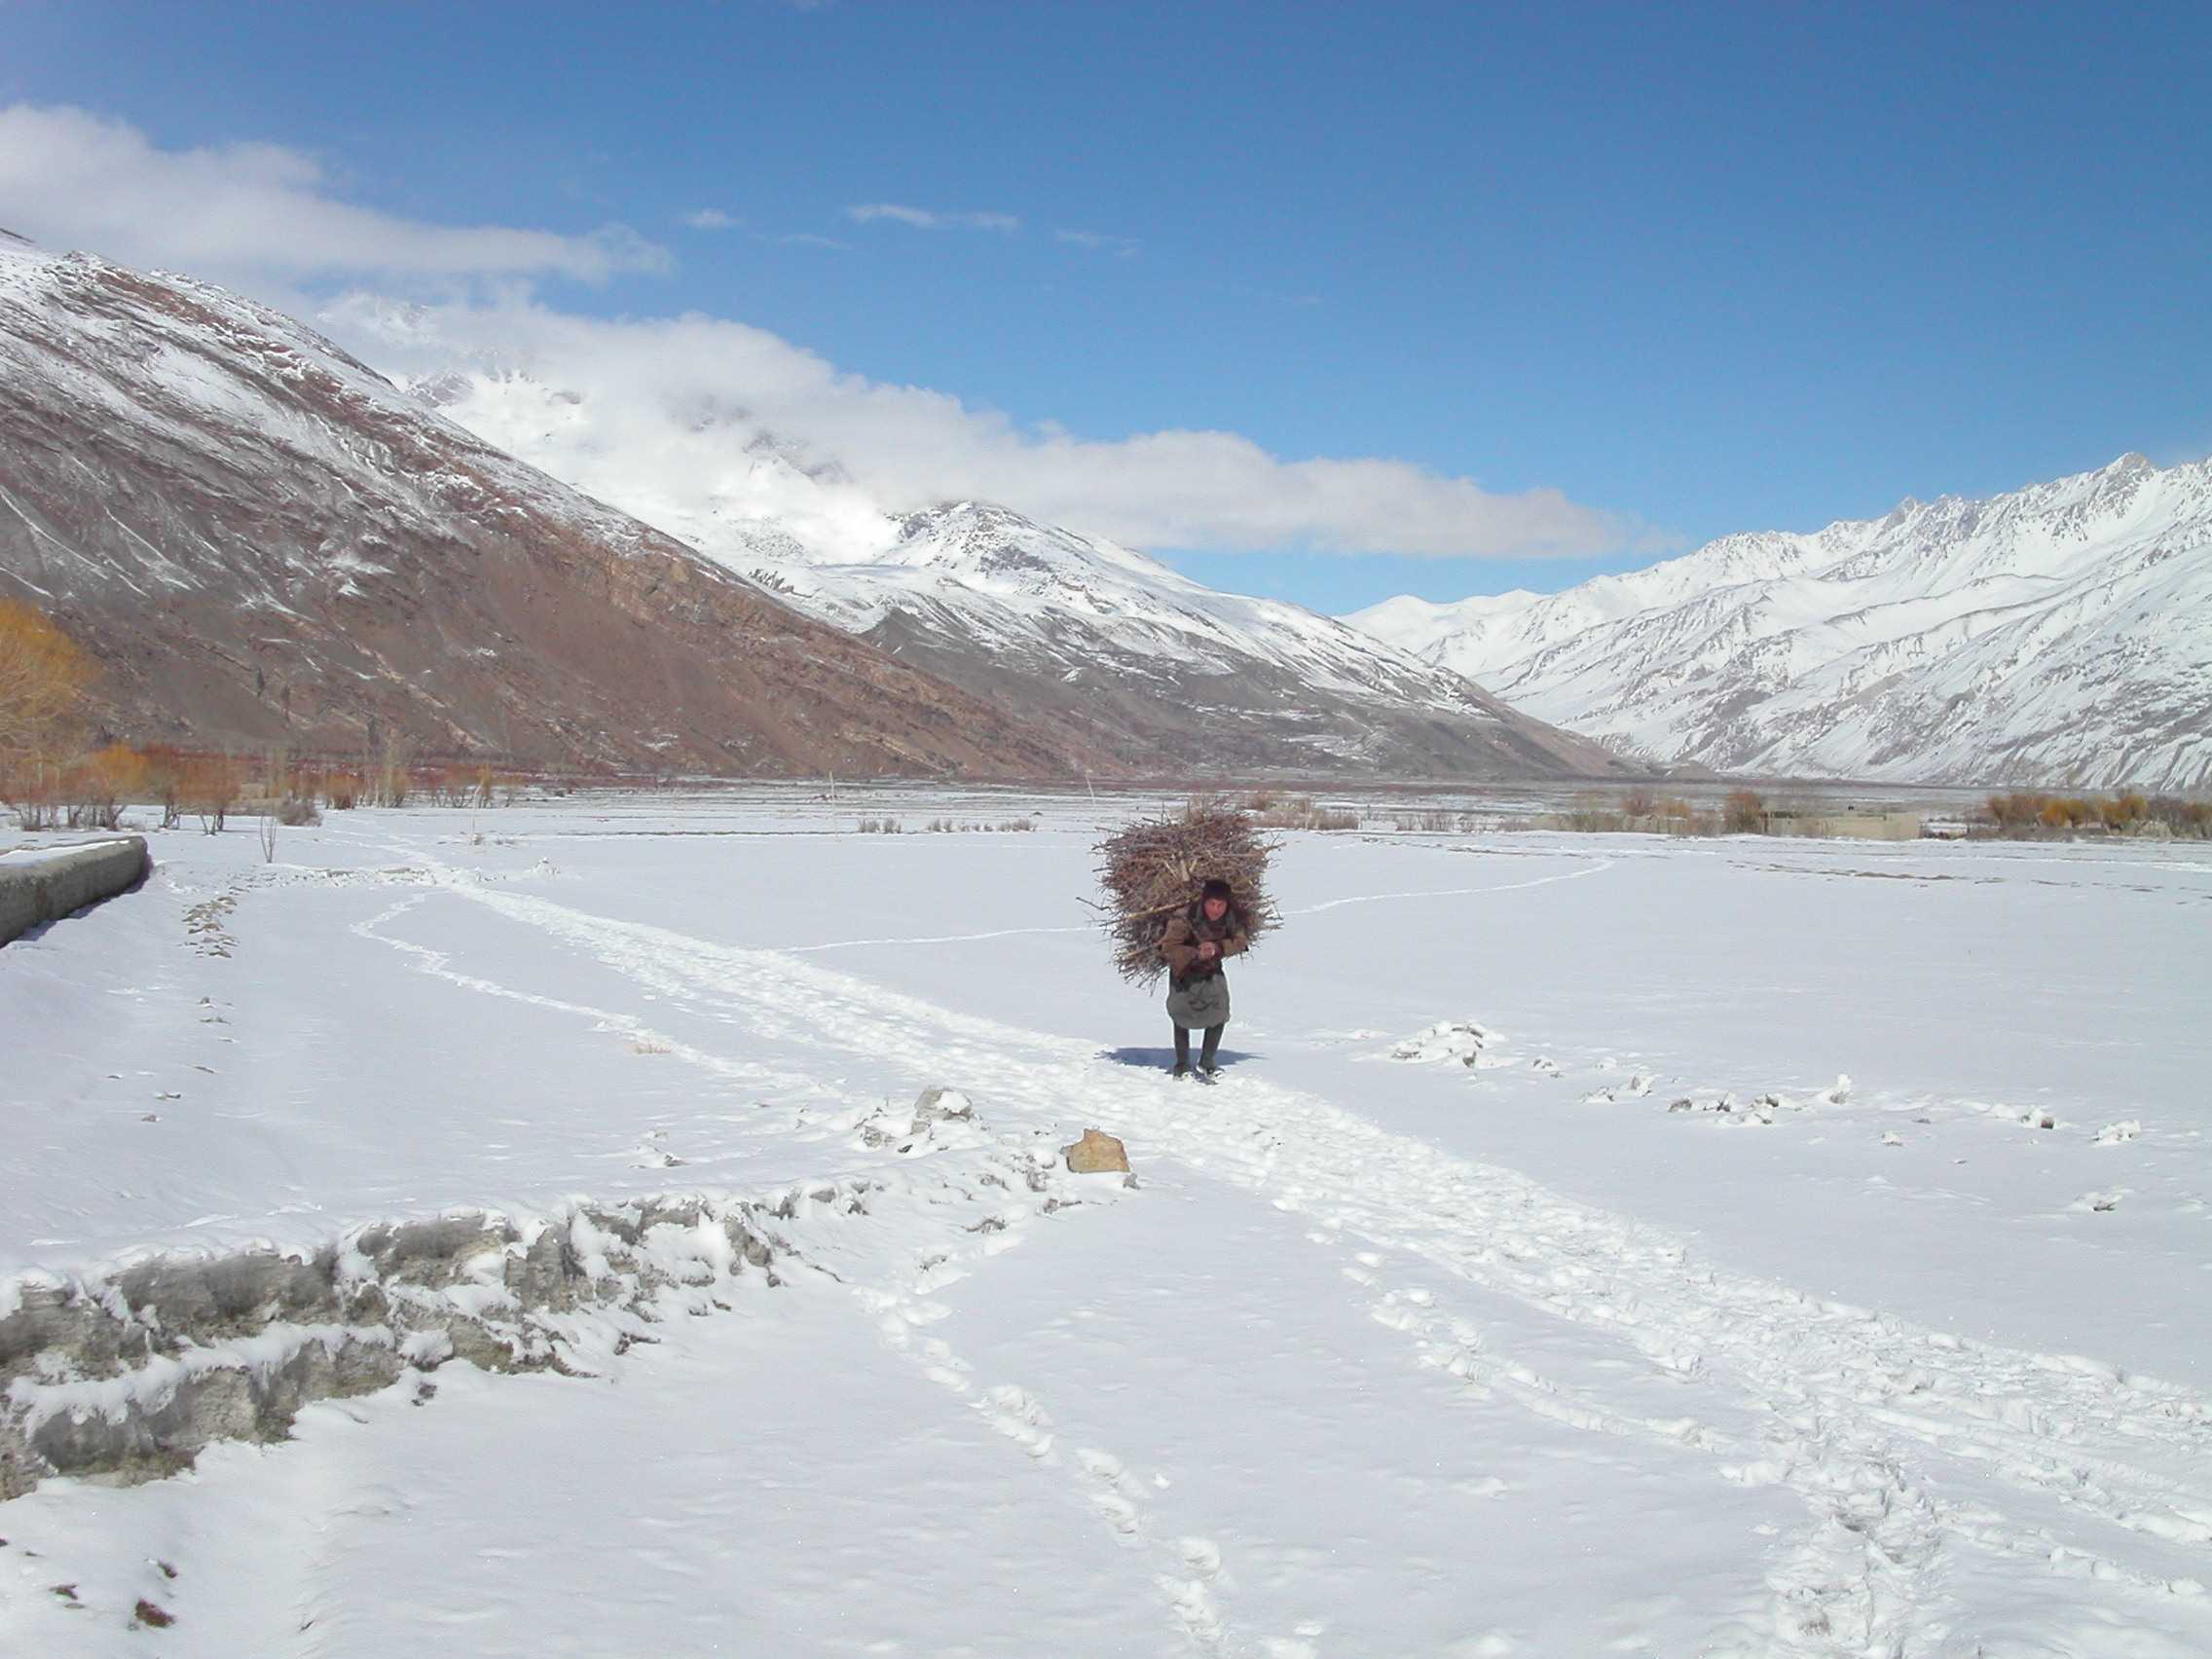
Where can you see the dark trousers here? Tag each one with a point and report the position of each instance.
(1206, 1052)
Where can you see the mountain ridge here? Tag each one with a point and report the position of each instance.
(263, 542)
(1107, 645)
(2055, 634)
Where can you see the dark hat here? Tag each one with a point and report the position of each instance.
(1217, 889)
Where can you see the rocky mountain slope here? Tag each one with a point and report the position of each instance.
(263, 542)
(1108, 648)
(2060, 635)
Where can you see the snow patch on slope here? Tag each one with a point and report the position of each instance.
(2060, 634)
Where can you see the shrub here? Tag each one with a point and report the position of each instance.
(212, 785)
(1589, 815)
(99, 786)
(1744, 812)
(1290, 812)
(165, 781)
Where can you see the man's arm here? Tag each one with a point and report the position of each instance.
(1177, 944)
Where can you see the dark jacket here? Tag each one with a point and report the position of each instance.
(1179, 941)
(1198, 990)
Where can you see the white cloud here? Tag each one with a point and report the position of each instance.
(697, 414)
(254, 213)
(1098, 241)
(688, 420)
(710, 219)
(923, 219)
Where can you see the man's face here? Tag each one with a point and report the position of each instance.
(1216, 908)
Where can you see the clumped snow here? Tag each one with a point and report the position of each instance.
(642, 1228)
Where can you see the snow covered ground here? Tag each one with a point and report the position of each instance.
(1596, 1245)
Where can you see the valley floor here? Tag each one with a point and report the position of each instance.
(1595, 1244)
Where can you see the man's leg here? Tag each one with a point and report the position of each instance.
(1212, 1046)
(1182, 1050)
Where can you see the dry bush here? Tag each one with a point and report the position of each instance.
(1743, 813)
(42, 676)
(32, 790)
(2123, 811)
(1016, 826)
(101, 785)
(387, 776)
(1293, 812)
(1156, 867)
(212, 785)
(2180, 816)
(165, 781)
(1640, 802)
(295, 810)
(342, 790)
(1591, 816)
(881, 827)
(2021, 810)
(2030, 813)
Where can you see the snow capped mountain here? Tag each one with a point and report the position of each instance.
(1106, 645)
(2058, 635)
(263, 542)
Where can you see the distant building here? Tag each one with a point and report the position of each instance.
(1854, 823)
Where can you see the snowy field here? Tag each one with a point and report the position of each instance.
(1596, 1244)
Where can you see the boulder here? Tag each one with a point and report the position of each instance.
(941, 1105)
(1096, 1154)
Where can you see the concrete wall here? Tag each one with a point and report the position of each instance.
(40, 890)
(1852, 825)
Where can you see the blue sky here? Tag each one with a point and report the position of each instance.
(1694, 269)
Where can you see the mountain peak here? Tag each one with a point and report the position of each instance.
(2046, 636)
(267, 542)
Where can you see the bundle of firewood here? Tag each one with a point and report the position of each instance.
(1154, 869)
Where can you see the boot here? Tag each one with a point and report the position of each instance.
(1211, 1046)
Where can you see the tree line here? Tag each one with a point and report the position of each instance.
(55, 775)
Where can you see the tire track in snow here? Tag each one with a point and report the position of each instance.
(1103, 1481)
(901, 1313)
(1846, 1393)
(1597, 868)
(438, 965)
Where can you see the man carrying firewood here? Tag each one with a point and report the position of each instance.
(1194, 945)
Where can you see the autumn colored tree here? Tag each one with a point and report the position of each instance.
(102, 784)
(42, 676)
